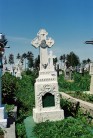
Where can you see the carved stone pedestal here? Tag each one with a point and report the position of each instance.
(47, 98)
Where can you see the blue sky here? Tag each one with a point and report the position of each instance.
(68, 22)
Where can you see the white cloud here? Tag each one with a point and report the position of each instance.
(18, 39)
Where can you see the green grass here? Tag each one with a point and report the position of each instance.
(80, 83)
(67, 128)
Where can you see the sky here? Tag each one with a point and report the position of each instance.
(68, 22)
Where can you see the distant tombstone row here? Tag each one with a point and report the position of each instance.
(15, 70)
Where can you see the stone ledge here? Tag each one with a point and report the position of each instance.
(85, 106)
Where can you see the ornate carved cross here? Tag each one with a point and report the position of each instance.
(43, 42)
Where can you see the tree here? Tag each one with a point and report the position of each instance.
(24, 56)
(30, 58)
(73, 59)
(18, 56)
(62, 58)
(55, 61)
(84, 61)
(22, 60)
(5, 60)
(9, 88)
(88, 60)
(37, 62)
(11, 59)
(3, 40)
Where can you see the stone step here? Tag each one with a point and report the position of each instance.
(10, 132)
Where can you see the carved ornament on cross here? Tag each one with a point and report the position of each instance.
(42, 40)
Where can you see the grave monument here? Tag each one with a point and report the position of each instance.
(47, 98)
(91, 82)
(3, 121)
(17, 69)
(67, 72)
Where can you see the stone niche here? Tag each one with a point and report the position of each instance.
(47, 100)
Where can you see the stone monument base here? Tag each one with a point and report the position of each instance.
(3, 122)
(48, 114)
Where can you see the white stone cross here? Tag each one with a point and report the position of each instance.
(51, 57)
(43, 42)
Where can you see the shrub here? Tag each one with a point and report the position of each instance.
(9, 88)
(9, 107)
(1, 131)
(67, 128)
(20, 129)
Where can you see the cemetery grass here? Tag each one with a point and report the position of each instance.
(77, 87)
(67, 128)
(26, 102)
(20, 92)
(75, 125)
(23, 97)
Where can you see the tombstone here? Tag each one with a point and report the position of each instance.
(17, 69)
(67, 74)
(80, 70)
(47, 98)
(18, 73)
(3, 121)
(11, 70)
(91, 82)
(60, 72)
(51, 57)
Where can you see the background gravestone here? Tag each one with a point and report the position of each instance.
(91, 82)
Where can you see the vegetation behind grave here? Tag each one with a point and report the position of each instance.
(77, 87)
(9, 87)
(22, 93)
(82, 96)
(25, 98)
(79, 83)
